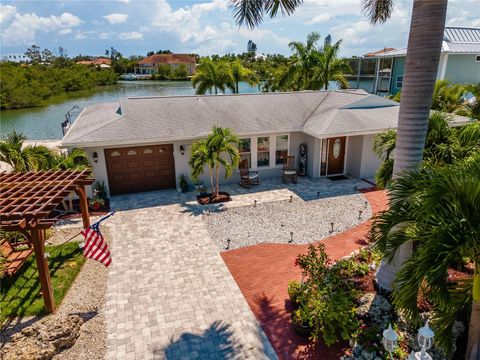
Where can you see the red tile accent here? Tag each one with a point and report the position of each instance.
(263, 271)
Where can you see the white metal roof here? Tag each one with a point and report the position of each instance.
(456, 40)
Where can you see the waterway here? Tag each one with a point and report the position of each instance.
(44, 122)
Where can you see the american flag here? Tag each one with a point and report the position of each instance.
(95, 246)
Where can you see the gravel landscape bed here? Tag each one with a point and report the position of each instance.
(272, 222)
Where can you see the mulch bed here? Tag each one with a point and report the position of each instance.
(211, 199)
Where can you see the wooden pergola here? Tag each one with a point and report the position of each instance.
(26, 204)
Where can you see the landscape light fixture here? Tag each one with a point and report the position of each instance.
(360, 214)
(228, 244)
(366, 204)
(291, 237)
(332, 224)
(254, 203)
(389, 341)
(182, 149)
(425, 340)
(318, 193)
(291, 198)
(95, 157)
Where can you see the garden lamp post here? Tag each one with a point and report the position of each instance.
(425, 340)
(390, 338)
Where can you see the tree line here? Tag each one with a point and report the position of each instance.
(310, 67)
(23, 85)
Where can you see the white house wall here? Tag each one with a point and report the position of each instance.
(353, 165)
(370, 161)
(183, 168)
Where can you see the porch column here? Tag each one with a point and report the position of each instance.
(82, 195)
(38, 240)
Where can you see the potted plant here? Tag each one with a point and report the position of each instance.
(302, 321)
(183, 183)
(295, 289)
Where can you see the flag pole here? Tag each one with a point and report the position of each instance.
(80, 232)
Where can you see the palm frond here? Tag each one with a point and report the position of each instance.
(378, 11)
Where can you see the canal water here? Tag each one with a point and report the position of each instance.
(44, 123)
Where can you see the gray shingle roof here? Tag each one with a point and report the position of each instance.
(164, 119)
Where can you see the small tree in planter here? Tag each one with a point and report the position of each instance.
(218, 149)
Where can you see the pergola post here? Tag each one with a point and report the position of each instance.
(38, 240)
(82, 195)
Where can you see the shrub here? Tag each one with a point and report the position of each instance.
(328, 298)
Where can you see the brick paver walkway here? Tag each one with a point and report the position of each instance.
(263, 271)
(170, 295)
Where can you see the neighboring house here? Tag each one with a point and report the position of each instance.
(379, 52)
(381, 72)
(102, 62)
(141, 144)
(150, 64)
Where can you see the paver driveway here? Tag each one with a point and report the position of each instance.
(170, 295)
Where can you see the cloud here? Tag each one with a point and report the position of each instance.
(24, 27)
(65, 31)
(133, 35)
(124, 1)
(6, 12)
(206, 27)
(116, 18)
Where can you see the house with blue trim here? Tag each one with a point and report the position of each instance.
(381, 72)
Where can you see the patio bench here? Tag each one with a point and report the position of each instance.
(15, 256)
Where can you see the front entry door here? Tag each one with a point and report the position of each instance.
(336, 155)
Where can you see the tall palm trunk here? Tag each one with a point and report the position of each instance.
(236, 87)
(423, 54)
(217, 176)
(212, 184)
(473, 346)
(216, 90)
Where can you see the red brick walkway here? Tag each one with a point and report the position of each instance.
(263, 271)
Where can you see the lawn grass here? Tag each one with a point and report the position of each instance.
(20, 294)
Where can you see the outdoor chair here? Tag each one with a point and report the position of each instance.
(247, 177)
(289, 169)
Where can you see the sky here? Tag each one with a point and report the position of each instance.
(206, 27)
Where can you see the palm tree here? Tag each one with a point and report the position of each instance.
(473, 107)
(305, 58)
(201, 156)
(25, 158)
(241, 73)
(218, 149)
(443, 145)
(448, 97)
(216, 75)
(223, 143)
(76, 159)
(438, 210)
(331, 68)
(423, 54)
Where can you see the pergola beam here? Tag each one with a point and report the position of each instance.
(26, 204)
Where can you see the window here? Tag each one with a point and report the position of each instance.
(281, 149)
(399, 81)
(244, 150)
(477, 58)
(263, 151)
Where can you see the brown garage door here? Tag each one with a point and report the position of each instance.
(140, 168)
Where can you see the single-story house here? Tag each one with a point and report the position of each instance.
(141, 144)
(150, 64)
(102, 62)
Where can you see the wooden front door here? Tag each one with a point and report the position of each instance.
(336, 155)
(140, 168)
